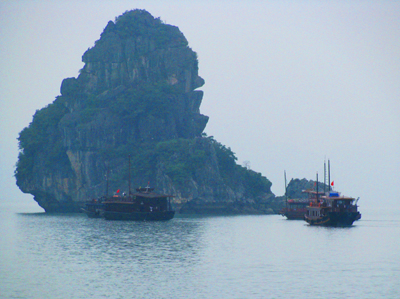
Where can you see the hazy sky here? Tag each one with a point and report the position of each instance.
(288, 83)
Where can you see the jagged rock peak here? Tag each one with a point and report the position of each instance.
(137, 49)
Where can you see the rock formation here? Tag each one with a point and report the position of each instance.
(296, 186)
(136, 97)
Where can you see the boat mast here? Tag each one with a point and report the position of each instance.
(285, 190)
(317, 188)
(329, 174)
(129, 183)
(324, 176)
(107, 174)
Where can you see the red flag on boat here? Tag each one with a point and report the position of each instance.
(332, 183)
(118, 191)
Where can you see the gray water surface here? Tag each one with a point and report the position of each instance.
(72, 256)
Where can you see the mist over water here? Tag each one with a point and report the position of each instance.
(72, 256)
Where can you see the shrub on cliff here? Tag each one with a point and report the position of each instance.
(42, 138)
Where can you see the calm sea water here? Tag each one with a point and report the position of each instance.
(72, 256)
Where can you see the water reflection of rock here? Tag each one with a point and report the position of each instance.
(146, 243)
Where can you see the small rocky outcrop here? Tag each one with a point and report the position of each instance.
(296, 187)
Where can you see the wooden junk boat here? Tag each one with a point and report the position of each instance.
(295, 209)
(142, 205)
(94, 208)
(332, 209)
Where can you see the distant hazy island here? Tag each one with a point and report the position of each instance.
(136, 95)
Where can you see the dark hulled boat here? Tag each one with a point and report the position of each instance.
(144, 205)
(333, 210)
(296, 208)
(94, 208)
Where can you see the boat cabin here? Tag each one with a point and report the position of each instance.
(339, 203)
(139, 202)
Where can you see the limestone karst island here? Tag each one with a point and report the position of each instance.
(136, 96)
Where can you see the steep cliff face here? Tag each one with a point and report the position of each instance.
(135, 96)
